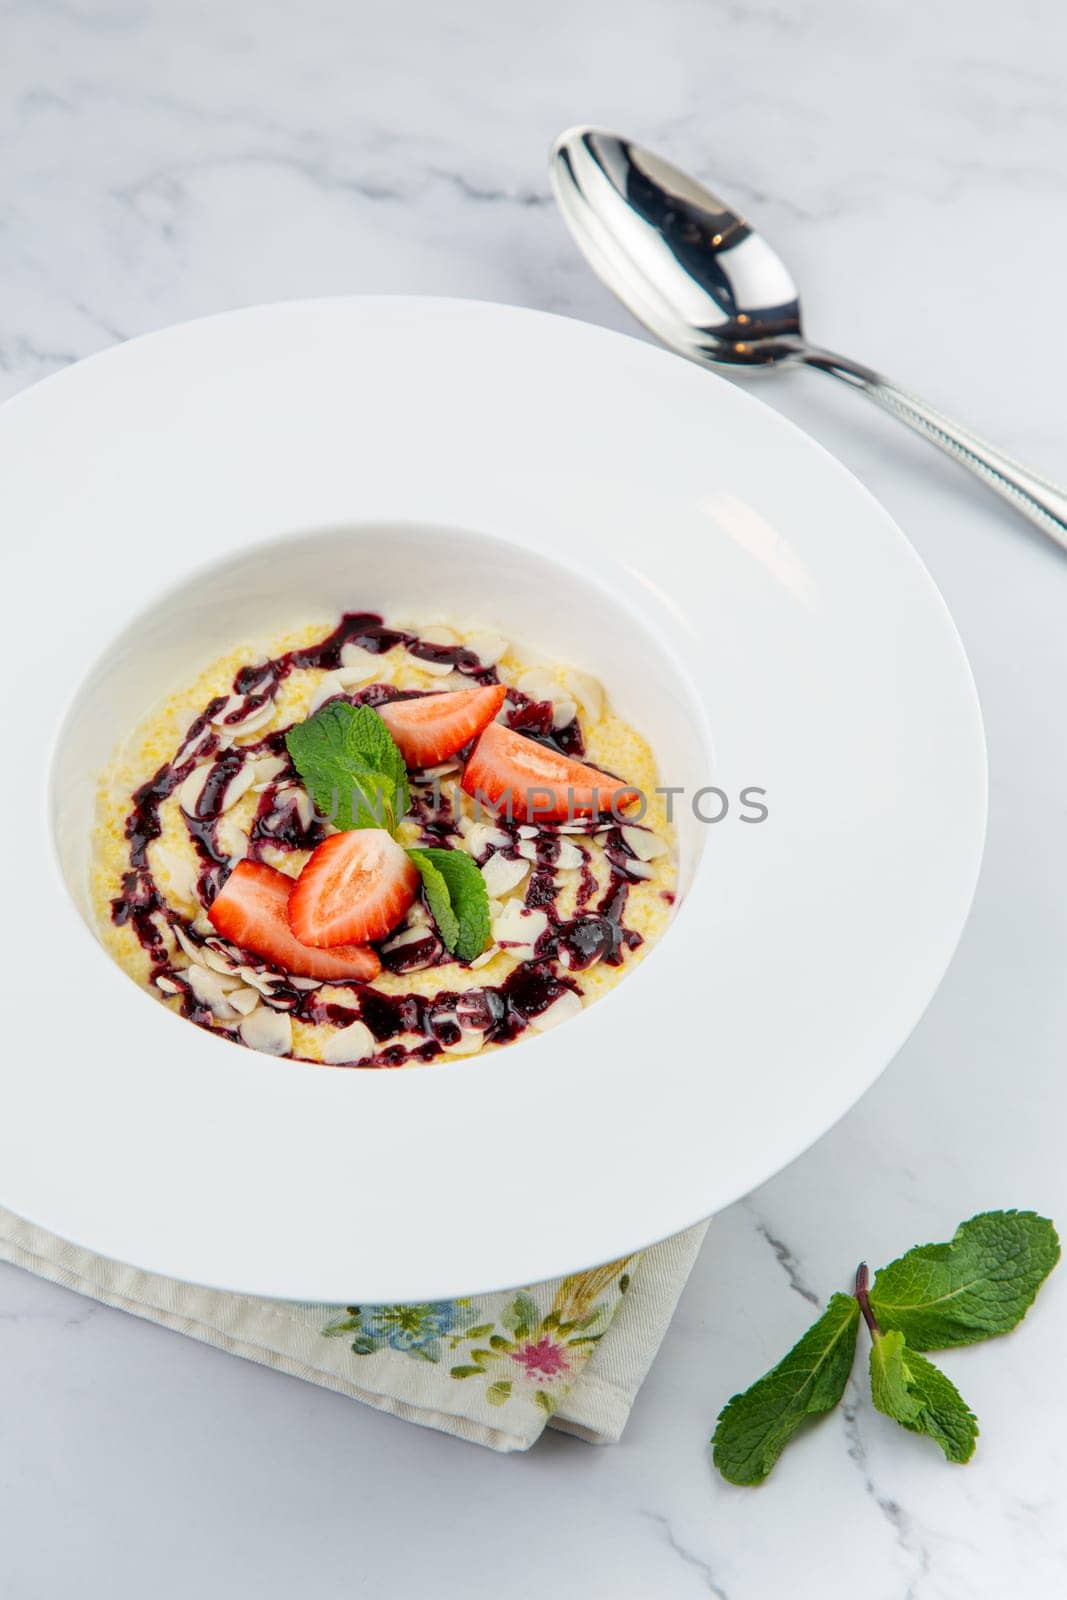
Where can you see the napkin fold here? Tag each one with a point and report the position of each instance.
(496, 1369)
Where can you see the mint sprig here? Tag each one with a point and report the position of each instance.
(350, 765)
(975, 1287)
(979, 1285)
(755, 1427)
(915, 1393)
(456, 894)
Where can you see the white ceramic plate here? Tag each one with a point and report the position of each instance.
(744, 599)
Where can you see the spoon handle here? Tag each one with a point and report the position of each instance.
(1034, 496)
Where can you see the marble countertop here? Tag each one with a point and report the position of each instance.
(163, 161)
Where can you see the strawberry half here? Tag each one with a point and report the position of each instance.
(529, 782)
(433, 726)
(355, 886)
(252, 911)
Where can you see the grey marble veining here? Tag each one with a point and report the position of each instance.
(162, 161)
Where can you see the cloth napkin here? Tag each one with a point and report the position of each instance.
(496, 1369)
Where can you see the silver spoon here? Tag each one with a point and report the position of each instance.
(704, 282)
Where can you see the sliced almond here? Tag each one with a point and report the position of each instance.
(192, 788)
(217, 960)
(406, 936)
(348, 1045)
(168, 985)
(266, 769)
(538, 683)
(567, 1006)
(502, 874)
(209, 989)
(268, 1031)
(359, 665)
(265, 982)
(437, 669)
(482, 837)
(238, 785)
(488, 647)
(191, 949)
(563, 712)
(177, 875)
(484, 959)
(568, 858)
(518, 929)
(588, 692)
(244, 1001)
(645, 844)
(328, 688)
(470, 1041)
(437, 633)
(255, 722)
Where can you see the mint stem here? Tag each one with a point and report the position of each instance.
(863, 1279)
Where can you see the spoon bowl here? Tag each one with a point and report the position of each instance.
(683, 261)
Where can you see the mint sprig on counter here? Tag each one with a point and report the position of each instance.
(977, 1286)
(755, 1427)
(352, 767)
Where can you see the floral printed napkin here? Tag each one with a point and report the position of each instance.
(495, 1369)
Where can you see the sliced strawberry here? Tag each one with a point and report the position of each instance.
(433, 726)
(252, 911)
(529, 782)
(354, 887)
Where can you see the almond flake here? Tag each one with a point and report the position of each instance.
(348, 1045)
(563, 712)
(502, 874)
(191, 790)
(482, 837)
(569, 857)
(645, 845)
(539, 684)
(268, 1031)
(209, 989)
(329, 688)
(192, 950)
(518, 928)
(587, 691)
(562, 1010)
(266, 769)
(168, 985)
(263, 981)
(238, 785)
(438, 634)
(488, 647)
(470, 1041)
(180, 875)
(359, 665)
(243, 1000)
(484, 959)
(437, 669)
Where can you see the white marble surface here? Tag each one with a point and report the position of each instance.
(163, 161)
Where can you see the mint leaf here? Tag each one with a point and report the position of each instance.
(437, 898)
(457, 897)
(978, 1285)
(915, 1393)
(350, 765)
(755, 1427)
